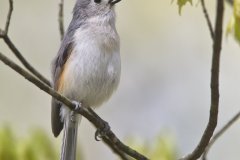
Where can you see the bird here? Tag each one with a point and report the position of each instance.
(86, 68)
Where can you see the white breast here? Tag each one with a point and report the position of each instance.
(93, 69)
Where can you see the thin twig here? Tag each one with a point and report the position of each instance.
(230, 2)
(207, 19)
(7, 40)
(61, 19)
(213, 118)
(96, 120)
(9, 16)
(115, 149)
(23, 60)
(117, 142)
(220, 133)
(2, 33)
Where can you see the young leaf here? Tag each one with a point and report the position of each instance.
(181, 3)
(230, 26)
(237, 20)
(7, 144)
(233, 26)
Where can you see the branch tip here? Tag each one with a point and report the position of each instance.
(220, 133)
(207, 18)
(9, 16)
(61, 19)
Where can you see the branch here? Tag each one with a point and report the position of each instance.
(23, 60)
(7, 40)
(207, 18)
(5, 31)
(213, 118)
(115, 149)
(116, 144)
(61, 19)
(9, 16)
(220, 133)
(230, 2)
(86, 112)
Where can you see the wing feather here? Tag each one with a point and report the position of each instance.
(57, 70)
(60, 60)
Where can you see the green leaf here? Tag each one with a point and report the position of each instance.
(237, 20)
(162, 147)
(181, 3)
(233, 26)
(7, 144)
(37, 146)
(230, 26)
(42, 145)
(26, 151)
(237, 31)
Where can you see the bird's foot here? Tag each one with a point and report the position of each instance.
(73, 113)
(77, 104)
(101, 132)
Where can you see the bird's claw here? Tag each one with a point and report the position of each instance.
(101, 132)
(77, 104)
(73, 113)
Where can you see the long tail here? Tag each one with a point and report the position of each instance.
(69, 145)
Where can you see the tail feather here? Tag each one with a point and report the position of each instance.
(69, 145)
(57, 123)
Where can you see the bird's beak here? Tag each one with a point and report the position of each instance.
(113, 2)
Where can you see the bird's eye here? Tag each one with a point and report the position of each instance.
(97, 1)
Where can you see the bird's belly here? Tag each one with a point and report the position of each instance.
(91, 77)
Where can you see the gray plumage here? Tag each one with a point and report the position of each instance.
(87, 66)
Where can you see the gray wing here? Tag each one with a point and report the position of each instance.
(57, 66)
(58, 63)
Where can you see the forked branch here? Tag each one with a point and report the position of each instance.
(220, 133)
(13, 48)
(207, 17)
(213, 117)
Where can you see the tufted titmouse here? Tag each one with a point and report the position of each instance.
(87, 66)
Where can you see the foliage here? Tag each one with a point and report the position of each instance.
(181, 3)
(234, 23)
(163, 147)
(35, 147)
(7, 145)
(39, 147)
(233, 26)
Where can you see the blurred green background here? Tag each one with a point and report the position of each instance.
(164, 84)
